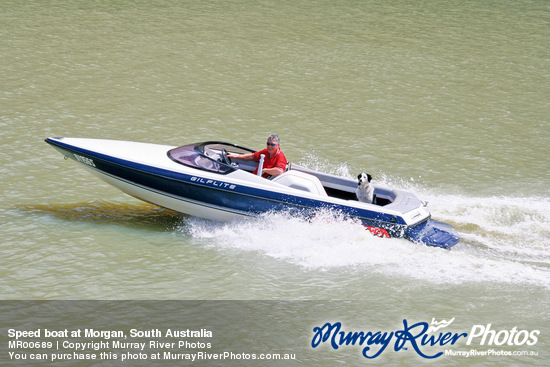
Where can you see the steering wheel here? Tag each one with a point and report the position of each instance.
(224, 158)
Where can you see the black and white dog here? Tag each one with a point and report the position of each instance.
(364, 191)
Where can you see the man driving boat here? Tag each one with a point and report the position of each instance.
(274, 162)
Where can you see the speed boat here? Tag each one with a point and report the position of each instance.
(201, 180)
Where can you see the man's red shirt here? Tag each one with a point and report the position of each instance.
(278, 160)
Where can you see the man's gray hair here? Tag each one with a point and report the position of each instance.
(274, 137)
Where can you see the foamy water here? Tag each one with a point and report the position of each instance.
(503, 240)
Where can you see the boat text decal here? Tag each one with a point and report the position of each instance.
(84, 160)
(220, 184)
(380, 232)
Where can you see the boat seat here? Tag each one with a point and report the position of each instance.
(301, 181)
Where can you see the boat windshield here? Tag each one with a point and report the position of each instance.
(205, 156)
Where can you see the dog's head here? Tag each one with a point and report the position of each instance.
(364, 179)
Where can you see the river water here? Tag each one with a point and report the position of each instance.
(447, 99)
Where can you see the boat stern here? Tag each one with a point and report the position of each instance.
(434, 233)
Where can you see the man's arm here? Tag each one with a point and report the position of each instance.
(275, 171)
(244, 157)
